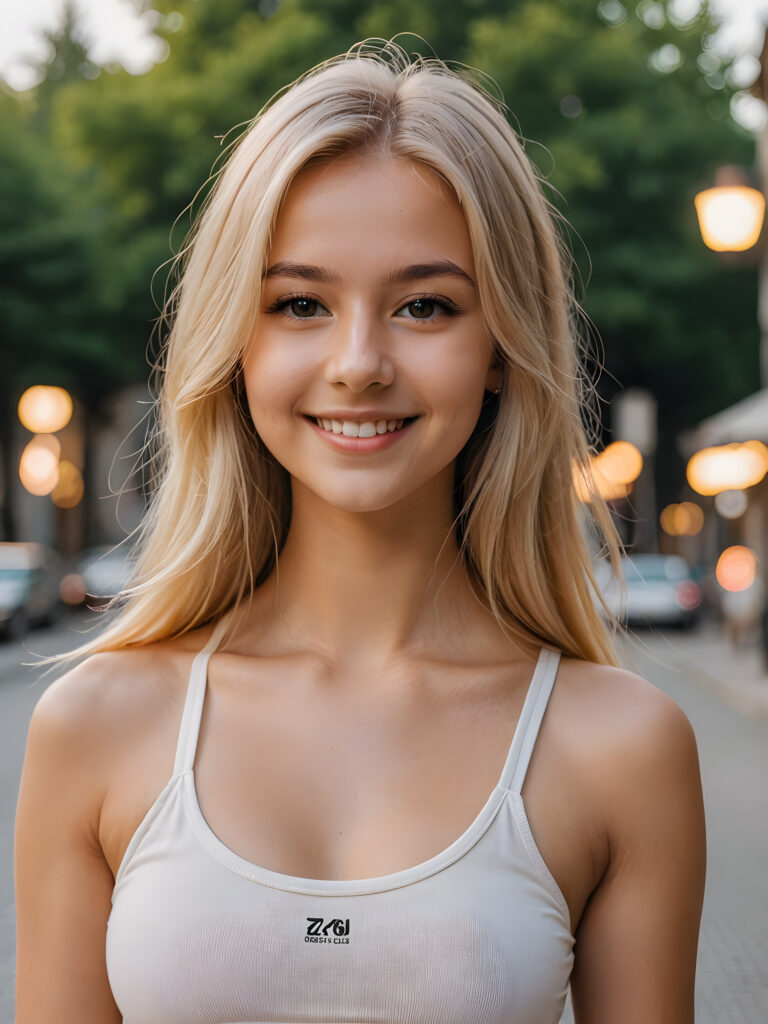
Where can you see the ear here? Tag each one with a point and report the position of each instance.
(493, 380)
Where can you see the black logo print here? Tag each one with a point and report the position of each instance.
(335, 931)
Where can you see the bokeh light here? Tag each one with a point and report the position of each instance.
(612, 472)
(731, 504)
(730, 217)
(620, 462)
(44, 409)
(72, 589)
(68, 491)
(736, 568)
(39, 464)
(727, 467)
(683, 520)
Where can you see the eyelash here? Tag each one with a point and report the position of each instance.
(449, 308)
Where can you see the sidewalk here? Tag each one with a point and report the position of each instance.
(736, 677)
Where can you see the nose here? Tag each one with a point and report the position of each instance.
(358, 353)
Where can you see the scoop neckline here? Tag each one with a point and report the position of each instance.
(381, 883)
(337, 886)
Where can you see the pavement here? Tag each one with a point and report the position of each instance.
(724, 693)
(737, 676)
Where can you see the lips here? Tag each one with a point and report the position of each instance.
(345, 436)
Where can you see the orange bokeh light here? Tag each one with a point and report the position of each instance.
(727, 467)
(611, 472)
(736, 568)
(730, 217)
(39, 464)
(44, 410)
(683, 520)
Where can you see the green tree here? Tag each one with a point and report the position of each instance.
(633, 128)
(56, 328)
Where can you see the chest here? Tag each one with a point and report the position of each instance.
(318, 784)
(481, 941)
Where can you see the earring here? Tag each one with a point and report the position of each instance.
(497, 390)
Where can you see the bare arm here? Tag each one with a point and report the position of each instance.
(635, 955)
(63, 883)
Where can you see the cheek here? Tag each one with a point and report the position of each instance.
(274, 376)
(455, 377)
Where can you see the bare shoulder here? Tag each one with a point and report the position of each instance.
(86, 717)
(113, 688)
(634, 741)
(103, 690)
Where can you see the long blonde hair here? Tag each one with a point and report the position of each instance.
(220, 505)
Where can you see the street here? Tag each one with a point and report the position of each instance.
(732, 973)
(732, 734)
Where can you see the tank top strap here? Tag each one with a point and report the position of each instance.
(531, 716)
(193, 703)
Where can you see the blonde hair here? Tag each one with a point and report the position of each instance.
(220, 505)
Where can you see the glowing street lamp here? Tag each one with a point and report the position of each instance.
(731, 212)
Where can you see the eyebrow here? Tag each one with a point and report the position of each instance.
(415, 272)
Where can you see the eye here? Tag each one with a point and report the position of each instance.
(429, 307)
(297, 307)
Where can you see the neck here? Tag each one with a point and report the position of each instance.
(369, 587)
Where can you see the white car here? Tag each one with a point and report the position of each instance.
(654, 590)
(102, 573)
(29, 586)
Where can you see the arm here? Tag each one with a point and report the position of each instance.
(635, 954)
(63, 883)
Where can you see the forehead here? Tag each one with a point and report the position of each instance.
(371, 207)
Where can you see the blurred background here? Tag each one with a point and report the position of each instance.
(648, 121)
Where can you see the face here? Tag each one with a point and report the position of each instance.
(370, 320)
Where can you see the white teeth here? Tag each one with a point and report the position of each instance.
(351, 428)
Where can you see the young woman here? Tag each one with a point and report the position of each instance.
(356, 747)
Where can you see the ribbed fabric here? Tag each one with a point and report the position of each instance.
(478, 934)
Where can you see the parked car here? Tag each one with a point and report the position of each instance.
(659, 590)
(101, 573)
(29, 587)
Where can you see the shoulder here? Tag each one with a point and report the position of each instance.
(632, 706)
(114, 687)
(636, 745)
(623, 700)
(101, 688)
(86, 717)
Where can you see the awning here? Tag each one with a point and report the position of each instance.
(747, 420)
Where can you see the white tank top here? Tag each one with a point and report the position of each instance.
(477, 934)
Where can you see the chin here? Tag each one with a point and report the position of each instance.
(359, 503)
(358, 497)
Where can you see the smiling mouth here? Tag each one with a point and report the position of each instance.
(368, 428)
